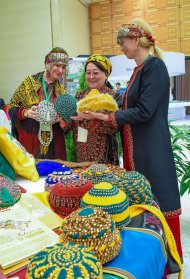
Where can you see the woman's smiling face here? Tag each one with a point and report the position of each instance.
(95, 78)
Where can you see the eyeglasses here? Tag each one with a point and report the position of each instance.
(93, 74)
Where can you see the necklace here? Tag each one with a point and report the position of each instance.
(46, 116)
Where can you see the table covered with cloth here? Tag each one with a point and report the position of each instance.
(143, 253)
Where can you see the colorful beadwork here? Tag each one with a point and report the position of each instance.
(65, 196)
(110, 199)
(136, 187)
(99, 173)
(10, 192)
(95, 229)
(68, 261)
(57, 176)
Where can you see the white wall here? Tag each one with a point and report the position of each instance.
(70, 26)
(30, 28)
(25, 28)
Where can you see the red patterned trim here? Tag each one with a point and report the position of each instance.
(112, 120)
(172, 213)
(129, 163)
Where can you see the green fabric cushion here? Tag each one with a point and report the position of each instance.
(5, 168)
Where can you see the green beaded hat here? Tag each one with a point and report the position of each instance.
(10, 192)
(110, 199)
(68, 261)
(136, 187)
(95, 229)
(99, 173)
(65, 105)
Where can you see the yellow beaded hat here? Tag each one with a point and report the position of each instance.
(96, 101)
(95, 229)
(136, 187)
(110, 199)
(99, 173)
(68, 261)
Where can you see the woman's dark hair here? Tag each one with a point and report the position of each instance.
(98, 65)
(2, 104)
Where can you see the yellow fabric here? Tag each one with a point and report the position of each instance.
(21, 161)
(43, 197)
(121, 216)
(170, 239)
(96, 101)
(102, 60)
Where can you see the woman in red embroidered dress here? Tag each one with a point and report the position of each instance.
(23, 108)
(101, 145)
(144, 121)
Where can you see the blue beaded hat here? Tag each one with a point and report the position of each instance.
(99, 173)
(136, 187)
(70, 261)
(95, 229)
(110, 199)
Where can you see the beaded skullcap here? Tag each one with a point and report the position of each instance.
(57, 176)
(110, 199)
(65, 106)
(65, 196)
(136, 187)
(10, 192)
(68, 261)
(95, 229)
(99, 173)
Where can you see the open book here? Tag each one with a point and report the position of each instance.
(21, 233)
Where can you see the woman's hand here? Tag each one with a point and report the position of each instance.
(33, 112)
(90, 115)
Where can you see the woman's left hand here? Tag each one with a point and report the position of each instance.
(90, 115)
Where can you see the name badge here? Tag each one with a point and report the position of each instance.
(82, 134)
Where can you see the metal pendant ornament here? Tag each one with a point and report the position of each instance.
(47, 115)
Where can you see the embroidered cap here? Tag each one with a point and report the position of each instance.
(95, 229)
(136, 187)
(65, 106)
(57, 176)
(65, 196)
(10, 192)
(70, 261)
(110, 199)
(99, 173)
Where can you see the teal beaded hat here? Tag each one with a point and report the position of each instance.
(110, 199)
(68, 261)
(66, 106)
(10, 192)
(99, 173)
(136, 187)
(93, 228)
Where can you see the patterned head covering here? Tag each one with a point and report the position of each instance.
(57, 56)
(57, 176)
(65, 196)
(95, 229)
(102, 60)
(99, 173)
(132, 31)
(10, 192)
(64, 261)
(136, 187)
(111, 200)
(65, 105)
